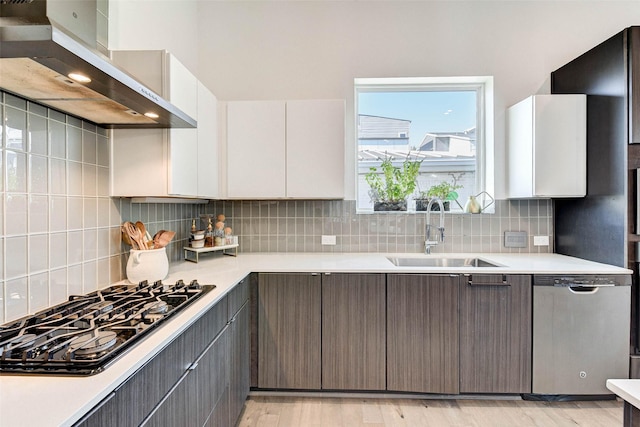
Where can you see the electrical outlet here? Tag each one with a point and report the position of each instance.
(328, 240)
(540, 240)
(515, 239)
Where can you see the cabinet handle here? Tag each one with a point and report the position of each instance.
(503, 283)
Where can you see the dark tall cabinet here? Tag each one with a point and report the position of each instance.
(602, 226)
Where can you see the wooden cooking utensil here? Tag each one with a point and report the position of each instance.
(137, 241)
(162, 238)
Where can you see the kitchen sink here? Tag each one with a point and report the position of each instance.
(441, 262)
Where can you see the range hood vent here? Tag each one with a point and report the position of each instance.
(37, 56)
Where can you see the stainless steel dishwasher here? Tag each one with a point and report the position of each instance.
(580, 333)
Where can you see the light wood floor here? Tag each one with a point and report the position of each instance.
(307, 411)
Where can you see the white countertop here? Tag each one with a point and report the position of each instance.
(627, 389)
(61, 401)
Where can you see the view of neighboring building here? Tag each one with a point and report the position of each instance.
(375, 133)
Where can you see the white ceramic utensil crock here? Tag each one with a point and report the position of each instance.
(150, 265)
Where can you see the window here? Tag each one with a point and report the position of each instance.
(444, 123)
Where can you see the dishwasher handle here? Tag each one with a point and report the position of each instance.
(584, 290)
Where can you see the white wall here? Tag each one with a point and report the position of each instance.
(314, 49)
(156, 24)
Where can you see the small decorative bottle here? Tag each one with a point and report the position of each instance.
(208, 238)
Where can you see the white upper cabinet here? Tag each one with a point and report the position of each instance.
(286, 149)
(546, 147)
(208, 154)
(315, 149)
(256, 149)
(165, 162)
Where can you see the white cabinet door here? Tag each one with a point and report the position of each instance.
(208, 153)
(256, 149)
(546, 142)
(157, 162)
(315, 148)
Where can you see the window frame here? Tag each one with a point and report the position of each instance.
(482, 85)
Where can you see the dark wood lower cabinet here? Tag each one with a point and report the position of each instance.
(495, 334)
(240, 358)
(353, 332)
(422, 333)
(188, 382)
(289, 324)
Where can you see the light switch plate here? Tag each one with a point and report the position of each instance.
(328, 240)
(515, 239)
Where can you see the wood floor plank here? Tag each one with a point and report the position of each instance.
(277, 411)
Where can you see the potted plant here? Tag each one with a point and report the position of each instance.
(444, 191)
(392, 185)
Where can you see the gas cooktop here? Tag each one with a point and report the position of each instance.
(88, 332)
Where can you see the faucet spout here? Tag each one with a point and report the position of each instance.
(428, 243)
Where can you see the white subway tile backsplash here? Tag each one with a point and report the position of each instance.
(90, 244)
(89, 148)
(58, 176)
(38, 253)
(38, 213)
(104, 236)
(57, 250)
(58, 286)
(15, 257)
(103, 151)
(103, 267)
(75, 213)
(57, 139)
(90, 212)
(16, 170)
(103, 182)
(17, 298)
(74, 144)
(89, 180)
(104, 206)
(74, 179)
(38, 109)
(89, 276)
(2, 299)
(75, 247)
(1, 163)
(38, 174)
(15, 126)
(38, 291)
(15, 214)
(57, 213)
(37, 134)
(74, 279)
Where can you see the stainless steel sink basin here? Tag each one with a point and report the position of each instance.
(441, 262)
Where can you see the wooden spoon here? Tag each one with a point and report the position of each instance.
(143, 232)
(162, 238)
(137, 242)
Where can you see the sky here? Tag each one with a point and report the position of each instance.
(453, 111)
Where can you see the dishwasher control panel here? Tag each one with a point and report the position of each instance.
(590, 280)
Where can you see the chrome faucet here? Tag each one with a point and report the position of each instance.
(428, 243)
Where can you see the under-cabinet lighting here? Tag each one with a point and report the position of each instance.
(80, 78)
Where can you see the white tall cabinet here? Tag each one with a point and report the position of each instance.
(166, 162)
(286, 149)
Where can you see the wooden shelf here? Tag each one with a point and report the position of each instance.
(198, 251)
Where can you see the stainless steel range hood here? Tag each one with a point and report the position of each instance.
(37, 56)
